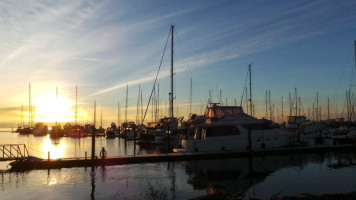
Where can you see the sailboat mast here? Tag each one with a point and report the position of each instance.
(246, 100)
(282, 110)
(118, 113)
(29, 106)
(22, 123)
(94, 113)
(355, 52)
(158, 103)
(296, 101)
(127, 92)
(317, 107)
(249, 68)
(141, 109)
(138, 105)
(328, 110)
(76, 105)
(266, 106)
(191, 97)
(56, 105)
(172, 57)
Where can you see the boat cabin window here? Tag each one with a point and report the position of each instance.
(220, 131)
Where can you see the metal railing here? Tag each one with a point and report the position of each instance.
(13, 152)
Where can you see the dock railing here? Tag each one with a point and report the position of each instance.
(13, 152)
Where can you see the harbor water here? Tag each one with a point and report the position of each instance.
(315, 173)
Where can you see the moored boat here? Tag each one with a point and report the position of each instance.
(226, 128)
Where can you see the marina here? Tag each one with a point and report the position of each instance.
(185, 176)
(170, 100)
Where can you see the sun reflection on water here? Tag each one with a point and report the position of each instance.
(56, 148)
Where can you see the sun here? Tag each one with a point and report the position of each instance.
(50, 108)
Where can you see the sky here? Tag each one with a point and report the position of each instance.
(103, 47)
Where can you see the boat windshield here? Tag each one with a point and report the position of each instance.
(234, 110)
(218, 112)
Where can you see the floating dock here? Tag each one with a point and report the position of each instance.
(29, 164)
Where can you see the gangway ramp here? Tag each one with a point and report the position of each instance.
(13, 152)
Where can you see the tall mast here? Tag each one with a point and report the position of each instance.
(22, 123)
(246, 101)
(300, 103)
(138, 105)
(290, 105)
(118, 113)
(101, 117)
(191, 97)
(94, 113)
(266, 106)
(141, 109)
(220, 100)
(29, 106)
(270, 106)
(127, 92)
(249, 68)
(296, 101)
(317, 107)
(172, 57)
(355, 52)
(76, 104)
(328, 110)
(282, 110)
(158, 103)
(56, 105)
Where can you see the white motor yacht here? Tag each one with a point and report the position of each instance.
(226, 129)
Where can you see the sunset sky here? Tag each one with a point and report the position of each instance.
(103, 46)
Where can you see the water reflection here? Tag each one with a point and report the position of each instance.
(92, 174)
(240, 175)
(259, 176)
(55, 146)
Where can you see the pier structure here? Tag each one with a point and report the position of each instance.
(13, 152)
(23, 165)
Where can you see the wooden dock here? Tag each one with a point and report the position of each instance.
(29, 164)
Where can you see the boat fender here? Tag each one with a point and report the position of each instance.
(103, 153)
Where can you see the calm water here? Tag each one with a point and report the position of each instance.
(256, 177)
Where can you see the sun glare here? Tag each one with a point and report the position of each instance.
(49, 108)
(56, 150)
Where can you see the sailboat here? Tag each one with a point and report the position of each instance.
(166, 127)
(101, 130)
(27, 129)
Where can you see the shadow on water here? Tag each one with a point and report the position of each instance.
(238, 175)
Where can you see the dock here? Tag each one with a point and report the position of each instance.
(29, 164)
